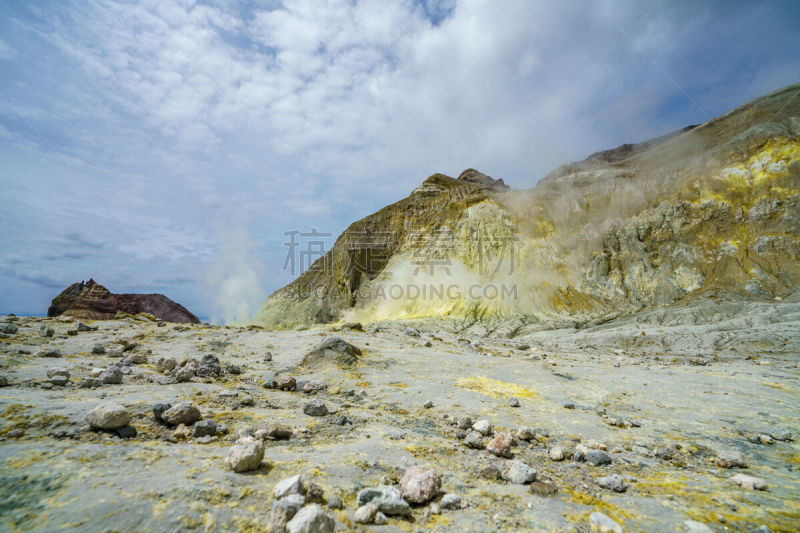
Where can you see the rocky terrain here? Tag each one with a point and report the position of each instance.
(682, 418)
(92, 300)
(629, 363)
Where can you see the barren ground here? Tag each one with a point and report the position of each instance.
(696, 381)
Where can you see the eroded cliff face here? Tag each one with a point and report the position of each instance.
(712, 210)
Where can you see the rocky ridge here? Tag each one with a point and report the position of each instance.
(91, 300)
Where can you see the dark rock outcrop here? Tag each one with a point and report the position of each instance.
(93, 301)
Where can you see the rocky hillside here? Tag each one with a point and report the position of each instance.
(709, 211)
(91, 300)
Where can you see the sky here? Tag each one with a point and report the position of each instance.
(168, 145)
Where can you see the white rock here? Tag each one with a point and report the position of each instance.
(749, 482)
(291, 485)
(108, 415)
(519, 473)
(366, 513)
(697, 527)
(484, 427)
(557, 453)
(311, 519)
(731, 459)
(420, 485)
(600, 523)
(246, 455)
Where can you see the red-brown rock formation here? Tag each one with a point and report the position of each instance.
(93, 301)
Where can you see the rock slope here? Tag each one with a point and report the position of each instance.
(712, 209)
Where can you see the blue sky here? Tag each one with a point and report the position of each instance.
(166, 146)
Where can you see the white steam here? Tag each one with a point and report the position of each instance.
(233, 278)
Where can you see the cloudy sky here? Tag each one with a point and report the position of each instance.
(167, 145)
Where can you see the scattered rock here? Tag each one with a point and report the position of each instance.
(491, 472)
(58, 371)
(411, 332)
(246, 455)
(543, 488)
(98, 349)
(314, 494)
(749, 482)
(500, 445)
(85, 327)
(696, 527)
(556, 453)
(597, 457)
(209, 367)
(46, 331)
(159, 409)
(184, 373)
(165, 364)
(600, 523)
(291, 485)
(464, 423)
(484, 427)
(205, 428)
(108, 415)
(126, 432)
(519, 473)
(51, 352)
(366, 513)
(420, 485)
(380, 519)
(315, 407)
(284, 510)
(311, 519)
(59, 381)
(110, 376)
(287, 383)
(428, 404)
(731, 459)
(334, 502)
(314, 385)
(781, 434)
(182, 432)
(134, 359)
(388, 499)
(182, 413)
(613, 482)
(513, 401)
(526, 433)
(278, 432)
(89, 383)
(474, 440)
(8, 329)
(340, 351)
(764, 439)
(114, 352)
(451, 501)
